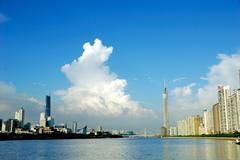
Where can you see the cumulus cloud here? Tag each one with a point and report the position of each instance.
(3, 18)
(94, 89)
(225, 72)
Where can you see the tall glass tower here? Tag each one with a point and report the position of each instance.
(48, 106)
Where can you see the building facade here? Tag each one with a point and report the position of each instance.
(19, 116)
(208, 122)
(42, 121)
(223, 95)
(216, 118)
(1, 122)
(48, 106)
(11, 125)
(234, 109)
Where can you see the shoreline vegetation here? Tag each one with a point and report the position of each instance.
(199, 137)
(232, 136)
(13, 136)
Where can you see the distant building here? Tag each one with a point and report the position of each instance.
(19, 115)
(216, 118)
(163, 132)
(201, 129)
(11, 125)
(62, 128)
(173, 131)
(208, 121)
(42, 121)
(48, 106)
(234, 109)
(99, 129)
(74, 127)
(84, 130)
(4, 126)
(27, 126)
(50, 121)
(223, 95)
(189, 126)
(1, 125)
(194, 125)
(115, 132)
(181, 129)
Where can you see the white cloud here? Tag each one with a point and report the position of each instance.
(184, 91)
(35, 101)
(3, 18)
(223, 73)
(95, 90)
(179, 79)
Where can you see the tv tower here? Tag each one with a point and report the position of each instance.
(165, 108)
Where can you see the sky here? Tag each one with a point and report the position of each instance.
(105, 62)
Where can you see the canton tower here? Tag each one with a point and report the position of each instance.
(165, 109)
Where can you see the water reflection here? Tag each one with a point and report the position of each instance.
(120, 149)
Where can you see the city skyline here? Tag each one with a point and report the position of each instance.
(194, 52)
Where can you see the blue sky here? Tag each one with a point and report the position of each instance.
(152, 40)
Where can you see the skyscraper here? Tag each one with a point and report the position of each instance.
(208, 121)
(43, 120)
(234, 108)
(223, 96)
(48, 106)
(19, 115)
(216, 118)
(11, 125)
(165, 109)
(74, 127)
(1, 125)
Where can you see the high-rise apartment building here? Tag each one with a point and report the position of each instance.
(234, 111)
(208, 122)
(216, 118)
(189, 126)
(19, 115)
(43, 120)
(223, 96)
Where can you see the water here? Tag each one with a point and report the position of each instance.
(120, 149)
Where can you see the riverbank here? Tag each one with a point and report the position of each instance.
(209, 138)
(7, 137)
